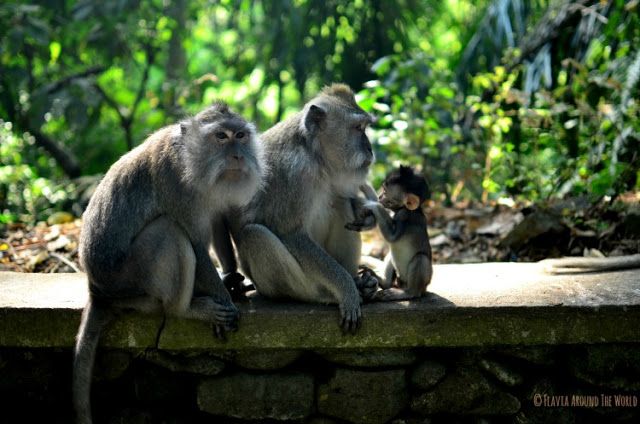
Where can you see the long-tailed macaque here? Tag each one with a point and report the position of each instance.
(292, 242)
(408, 267)
(147, 229)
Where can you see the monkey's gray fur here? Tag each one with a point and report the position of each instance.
(147, 229)
(407, 268)
(293, 243)
(571, 265)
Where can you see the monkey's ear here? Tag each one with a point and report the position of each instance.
(411, 201)
(314, 117)
(183, 128)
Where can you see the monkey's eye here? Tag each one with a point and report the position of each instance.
(361, 127)
(239, 134)
(221, 135)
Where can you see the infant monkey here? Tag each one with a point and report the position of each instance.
(409, 263)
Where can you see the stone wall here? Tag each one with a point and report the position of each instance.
(491, 343)
(535, 384)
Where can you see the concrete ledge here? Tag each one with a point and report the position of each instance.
(469, 305)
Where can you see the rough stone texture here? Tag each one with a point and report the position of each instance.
(508, 304)
(111, 364)
(271, 359)
(195, 363)
(368, 397)
(615, 367)
(163, 389)
(503, 373)
(466, 392)
(427, 374)
(370, 357)
(538, 355)
(278, 396)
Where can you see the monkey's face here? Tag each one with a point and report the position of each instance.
(340, 137)
(403, 188)
(392, 196)
(227, 157)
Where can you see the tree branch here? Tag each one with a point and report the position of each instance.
(127, 120)
(53, 87)
(64, 158)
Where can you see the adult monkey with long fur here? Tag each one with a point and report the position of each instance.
(147, 229)
(294, 244)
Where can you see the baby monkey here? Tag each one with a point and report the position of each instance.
(408, 267)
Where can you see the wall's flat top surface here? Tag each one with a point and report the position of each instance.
(479, 304)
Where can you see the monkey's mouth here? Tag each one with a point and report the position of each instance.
(391, 205)
(234, 173)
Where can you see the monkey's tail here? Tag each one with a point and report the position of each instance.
(94, 318)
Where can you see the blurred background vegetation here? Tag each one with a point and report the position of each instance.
(493, 99)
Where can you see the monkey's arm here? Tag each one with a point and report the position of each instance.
(369, 192)
(222, 245)
(325, 271)
(391, 228)
(207, 280)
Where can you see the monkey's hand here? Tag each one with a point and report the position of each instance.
(364, 218)
(351, 315)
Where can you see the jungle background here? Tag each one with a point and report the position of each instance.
(522, 115)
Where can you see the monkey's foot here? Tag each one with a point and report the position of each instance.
(367, 283)
(225, 319)
(392, 294)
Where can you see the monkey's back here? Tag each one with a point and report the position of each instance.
(123, 203)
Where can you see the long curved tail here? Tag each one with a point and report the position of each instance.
(94, 319)
(571, 265)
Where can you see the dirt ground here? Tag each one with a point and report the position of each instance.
(462, 233)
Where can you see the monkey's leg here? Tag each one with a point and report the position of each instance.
(165, 264)
(328, 278)
(345, 247)
(268, 263)
(389, 273)
(413, 285)
(296, 267)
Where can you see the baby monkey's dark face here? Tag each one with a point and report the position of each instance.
(392, 196)
(403, 188)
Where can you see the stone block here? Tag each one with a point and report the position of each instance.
(281, 396)
(368, 397)
(465, 391)
(427, 374)
(375, 357)
(189, 362)
(270, 359)
(502, 372)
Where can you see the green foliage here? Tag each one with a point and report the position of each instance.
(580, 136)
(27, 191)
(86, 80)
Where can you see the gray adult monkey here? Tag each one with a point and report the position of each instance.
(147, 229)
(292, 242)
